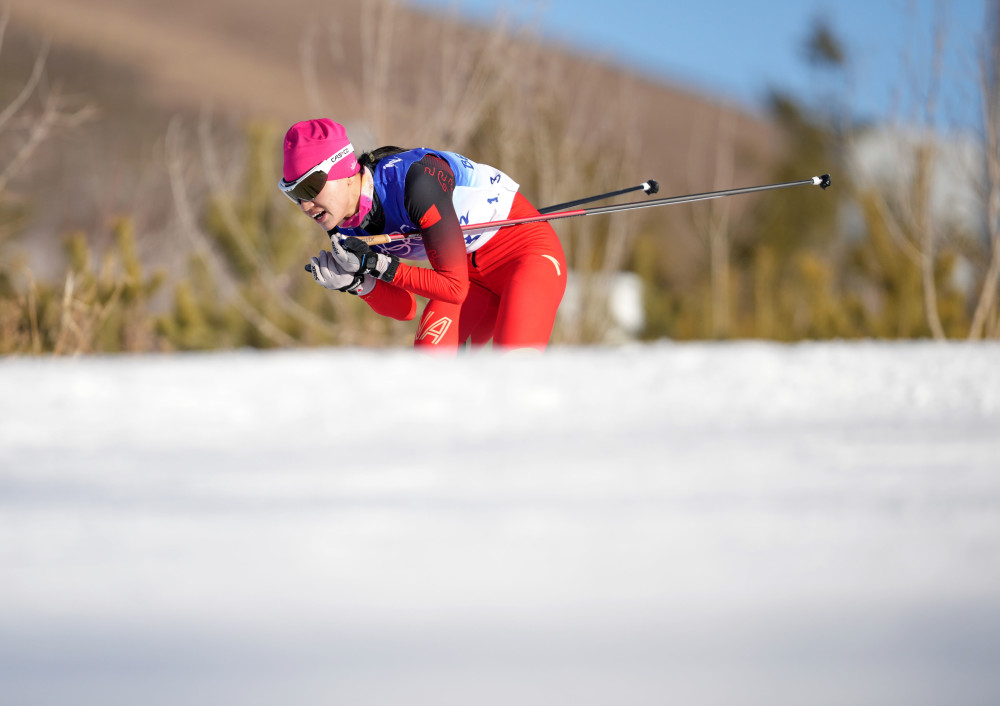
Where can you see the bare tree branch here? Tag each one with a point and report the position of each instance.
(989, 86)
(189, 225)
(37, 70)
(711, 219)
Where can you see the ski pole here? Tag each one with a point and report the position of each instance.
(822, 181)
(650, 187)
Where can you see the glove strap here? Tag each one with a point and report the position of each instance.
(387, 269)
(355, 284)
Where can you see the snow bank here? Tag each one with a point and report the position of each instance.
(729, 524)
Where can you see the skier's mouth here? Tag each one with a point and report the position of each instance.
(318, 217)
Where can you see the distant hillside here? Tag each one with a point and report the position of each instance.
(143, 62)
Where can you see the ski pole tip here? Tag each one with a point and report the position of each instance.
(822, 181)
(651, 186)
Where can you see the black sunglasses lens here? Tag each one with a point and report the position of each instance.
(309, 187)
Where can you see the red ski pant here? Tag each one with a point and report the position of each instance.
(516, 282)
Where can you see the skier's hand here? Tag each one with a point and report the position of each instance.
(328, 272)
(354, 256)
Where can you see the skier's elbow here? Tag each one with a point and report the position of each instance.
(457, 290)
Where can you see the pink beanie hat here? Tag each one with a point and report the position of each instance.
(311, 141)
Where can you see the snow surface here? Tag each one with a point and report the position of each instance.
(690, 524)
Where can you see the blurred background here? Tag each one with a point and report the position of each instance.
(140, 146)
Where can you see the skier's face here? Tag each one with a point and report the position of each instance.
(335, 202)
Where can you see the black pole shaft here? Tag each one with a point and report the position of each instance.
(650, 187)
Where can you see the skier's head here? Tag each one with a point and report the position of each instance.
(322, 175)
(318, 145)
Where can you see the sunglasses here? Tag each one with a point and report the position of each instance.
(307, 186)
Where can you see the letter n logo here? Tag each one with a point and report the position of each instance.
(435, 330)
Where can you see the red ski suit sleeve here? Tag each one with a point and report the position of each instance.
(427, 196)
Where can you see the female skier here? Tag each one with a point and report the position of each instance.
(503, 284)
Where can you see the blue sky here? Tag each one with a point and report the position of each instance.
(738, 49)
